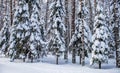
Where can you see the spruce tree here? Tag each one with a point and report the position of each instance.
(4, 36)
(37, 40)
(100, 38)
(57, 29)
(108, 16)
(26, 40)
(111, 22)
(19, 30)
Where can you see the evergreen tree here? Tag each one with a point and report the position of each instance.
(100, 38)
(81, 26)
(108, 23)
(37, 39)
(26, 40)
(57, 29)
(19, 30)
(4, 36)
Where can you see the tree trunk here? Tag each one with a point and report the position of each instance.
(14, 3)
(1, 14)
(67, 34)
(31, 59)
(23, 59)
(82, 38)
(73, 56)
(57, 57)
(6, 7)
(73, 29)
(11, 12)
(73, 17)
(91, 16)
(95, 5)
(99, 64)
(116, 35)
(116, 31)
(80, 57)
(46, 16)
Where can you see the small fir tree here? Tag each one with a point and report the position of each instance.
(100, 38)
(57, 29)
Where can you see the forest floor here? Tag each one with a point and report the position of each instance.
(47, 65)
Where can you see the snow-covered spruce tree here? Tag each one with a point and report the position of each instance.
(110, 21)
(100, 38)
(82, 30)
(26, 34)
(20, 32)
(4, 36)
(110, 26)
(36, 40)
(57, 29)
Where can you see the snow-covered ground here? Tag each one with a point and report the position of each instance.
(47, 65)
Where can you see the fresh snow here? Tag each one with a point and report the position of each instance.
(47, 65)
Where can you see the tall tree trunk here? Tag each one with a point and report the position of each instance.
(116, 34)
(67, 38)
(73, 17)
(83, 48)
(6, 7)
(1, 14)
(46, 16)
(95, 5)
(118, 41)
(73, 29)
(91, 15)
(116, 31)
(11, 12)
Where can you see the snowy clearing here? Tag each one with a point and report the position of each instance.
(49, 66)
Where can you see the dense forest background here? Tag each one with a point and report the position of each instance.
(31, 29)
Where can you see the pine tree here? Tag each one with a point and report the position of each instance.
(57, 29)
(4, 36)
(100, 38)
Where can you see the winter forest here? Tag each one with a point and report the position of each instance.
(63, 36)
